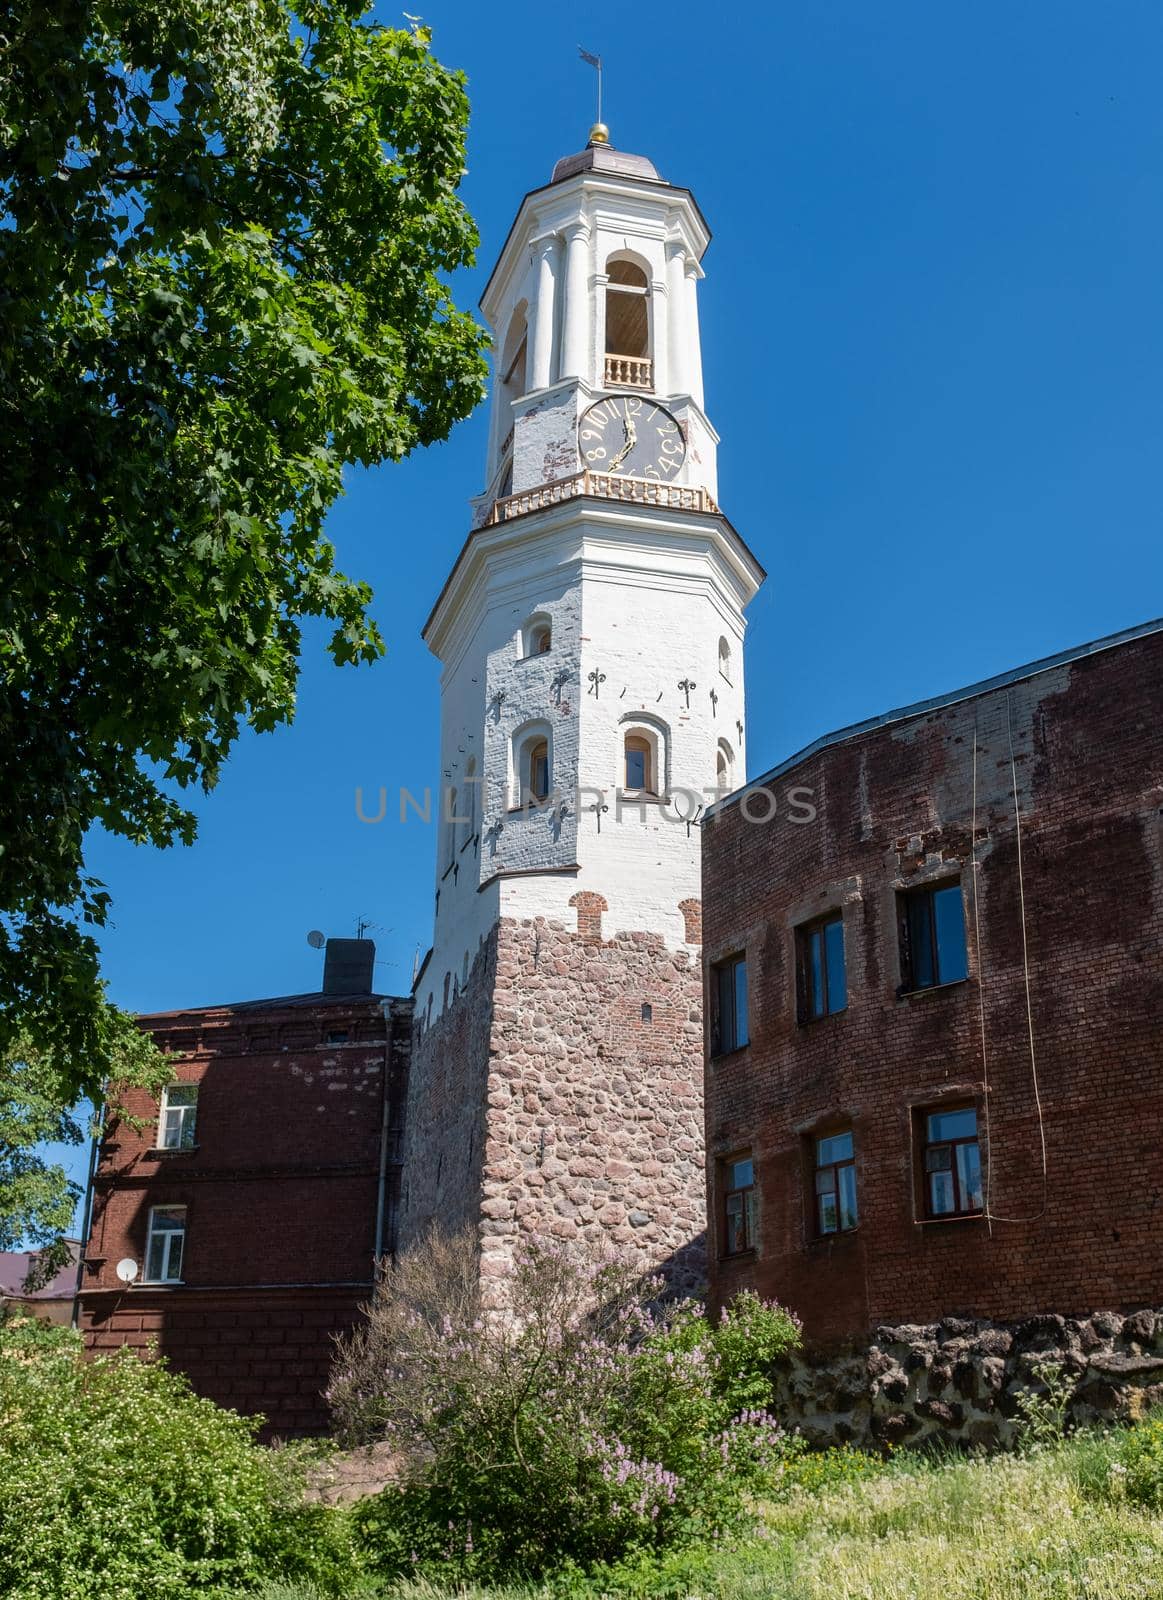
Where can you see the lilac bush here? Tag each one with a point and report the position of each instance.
(591, 1420)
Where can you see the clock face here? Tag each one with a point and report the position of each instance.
(629, 435)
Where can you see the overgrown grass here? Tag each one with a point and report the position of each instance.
(1053, 1525)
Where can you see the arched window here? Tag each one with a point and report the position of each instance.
(645, 758)
(512, 364)
(451, 826)
(724, 767)
(532, 769)
(537, 636)
(627, 326)
(639, 763)
(510, 385)
(724, 659)
(472, 803)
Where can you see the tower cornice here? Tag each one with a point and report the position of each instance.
(494, 542)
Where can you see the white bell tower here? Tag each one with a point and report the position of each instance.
(591, 635)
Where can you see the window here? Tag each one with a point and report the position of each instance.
(724, 767)
(835, 1184)
(821, 976)
(738, 1205)
(450, 824)
(539, 769)
(536, 637)
(729, 999)
(165, 1245)
(639, 772)
(532, 771)
(952, 1163)
(470, 778)
(725, 659)
(627, 323)
(178, 1112)
(932, 936)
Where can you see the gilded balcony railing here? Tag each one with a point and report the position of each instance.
(629, 372)
(603, 486)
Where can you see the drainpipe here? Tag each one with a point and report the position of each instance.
(87, 1215)
(385, 1007)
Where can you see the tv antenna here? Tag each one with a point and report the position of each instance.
(127, 1269)
(316, 939)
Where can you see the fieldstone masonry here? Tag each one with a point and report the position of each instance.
(964, 1379)
(579, 1062)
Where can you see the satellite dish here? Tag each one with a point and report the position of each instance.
(316, 939)
(127, 1269)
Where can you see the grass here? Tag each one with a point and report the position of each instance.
(1046, 1526)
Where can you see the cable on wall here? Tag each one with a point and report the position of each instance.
(1026, 970)
(975, 868)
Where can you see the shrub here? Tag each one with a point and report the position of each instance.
(117, 1482)
(1137, 1465)
(588, 1422)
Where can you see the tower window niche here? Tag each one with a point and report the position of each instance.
(644, 759)
(532, 767)
(536, 637)
(627, 326)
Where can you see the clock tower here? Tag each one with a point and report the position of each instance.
(590, 634)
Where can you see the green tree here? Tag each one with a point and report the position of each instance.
(224, 226)
(37, 1197)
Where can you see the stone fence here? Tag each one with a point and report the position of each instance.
(963, 1380)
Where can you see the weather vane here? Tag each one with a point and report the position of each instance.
(599, 134)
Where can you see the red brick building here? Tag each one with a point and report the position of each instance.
(935, 968)
(257, 1198)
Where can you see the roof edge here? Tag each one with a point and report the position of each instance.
(921, 708)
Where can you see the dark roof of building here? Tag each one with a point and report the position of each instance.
(14, 1268)
(283, 1002)
(921, 708)
(604, 158)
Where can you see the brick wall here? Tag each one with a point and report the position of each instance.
(895, 808)
(281, 1192)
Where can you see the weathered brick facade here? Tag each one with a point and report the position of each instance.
(561, 1095)
(894, 808)
(298, 1118)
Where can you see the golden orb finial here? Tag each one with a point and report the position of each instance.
(599, 134)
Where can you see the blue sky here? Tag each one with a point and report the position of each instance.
(933, 341)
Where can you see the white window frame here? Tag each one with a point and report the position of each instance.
(181, 1115)
(167, 1237)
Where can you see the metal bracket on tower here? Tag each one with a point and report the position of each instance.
(686, 685)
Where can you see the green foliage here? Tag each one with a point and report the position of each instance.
(590, 1423)
(224, 226)
(1042, 1411)
(1124, 1465)
(1141, 1457)
(117, 1482)
(814, 1472)
(37, 1199)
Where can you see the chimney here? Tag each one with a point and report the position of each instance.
(348, 965)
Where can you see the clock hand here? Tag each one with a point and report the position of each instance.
(631, 436)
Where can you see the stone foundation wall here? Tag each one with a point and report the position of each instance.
(962, 1380)
(595, 1097)
(444, 1120)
